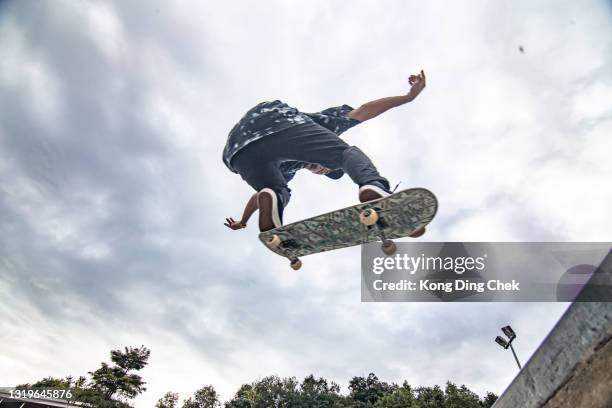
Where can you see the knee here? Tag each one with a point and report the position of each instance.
(351, 152)
(283, 194)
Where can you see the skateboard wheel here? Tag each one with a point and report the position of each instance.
(274, 241)
(389, 247)
(296, 264)
(368, 217)
(418, 233)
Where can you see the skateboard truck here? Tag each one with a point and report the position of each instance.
(369, 217)
(274, 242)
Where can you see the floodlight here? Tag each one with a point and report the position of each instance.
(508, 343)
(500, 340)
(509, 332)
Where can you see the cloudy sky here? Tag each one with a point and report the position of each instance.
(113, 193)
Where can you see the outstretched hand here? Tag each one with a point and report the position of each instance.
(233, 224)
(417, 84)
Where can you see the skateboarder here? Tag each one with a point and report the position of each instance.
(273, 141)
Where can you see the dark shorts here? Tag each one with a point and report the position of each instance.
(259, 163)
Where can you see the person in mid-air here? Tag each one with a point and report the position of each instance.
(274, 140)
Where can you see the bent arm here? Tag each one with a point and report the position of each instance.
(374, 108)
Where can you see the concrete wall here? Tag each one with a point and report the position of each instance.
(573, 365)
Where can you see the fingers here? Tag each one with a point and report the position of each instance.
(414, 79)
(417, 82)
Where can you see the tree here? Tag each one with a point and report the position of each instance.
(287, 392)
(460, 397)
(401, 397)
(245, 398)
(49, 382)
(368, 390)
(430, 397)
(488, 400)
(267, 392)
(205, 397)
(169, 400)
(117, 381)
(317, 392)
(109, 386)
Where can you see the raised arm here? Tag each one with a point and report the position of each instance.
(374, 108)
(249, 209)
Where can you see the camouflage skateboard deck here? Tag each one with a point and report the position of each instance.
(399, 215)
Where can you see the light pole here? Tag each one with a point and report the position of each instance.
(511, 335)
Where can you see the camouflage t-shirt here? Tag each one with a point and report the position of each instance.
(271, 117)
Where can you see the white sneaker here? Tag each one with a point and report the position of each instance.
(371, 192)
(267, 202)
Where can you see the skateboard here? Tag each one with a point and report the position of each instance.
(398, 215)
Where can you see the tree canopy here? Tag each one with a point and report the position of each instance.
(114, 385)
(110, 386)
